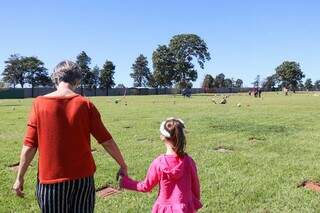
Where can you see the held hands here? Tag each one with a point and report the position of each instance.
(17, 187)
(120, 174)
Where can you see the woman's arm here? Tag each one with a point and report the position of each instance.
(111, 147)
(27, 155)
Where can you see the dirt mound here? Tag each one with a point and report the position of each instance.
(107, 191)
(254, 139)
(223, 149)
(311, 185)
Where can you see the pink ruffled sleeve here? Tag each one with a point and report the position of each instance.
(150, 181)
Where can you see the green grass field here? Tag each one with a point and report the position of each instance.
(275, 143)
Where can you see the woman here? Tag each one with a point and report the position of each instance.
(59, 127)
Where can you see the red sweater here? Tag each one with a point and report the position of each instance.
(60, 128)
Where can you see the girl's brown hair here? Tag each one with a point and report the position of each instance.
(177, 137)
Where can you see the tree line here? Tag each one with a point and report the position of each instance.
(173, 65)
(290, 76)
(287, 75)
(220, 81)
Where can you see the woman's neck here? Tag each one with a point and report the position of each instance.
(63, 89)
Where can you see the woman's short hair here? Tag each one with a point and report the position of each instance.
(66, 71)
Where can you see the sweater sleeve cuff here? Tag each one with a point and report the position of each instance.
(128, 183)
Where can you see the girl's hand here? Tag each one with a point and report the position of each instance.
(17, 187)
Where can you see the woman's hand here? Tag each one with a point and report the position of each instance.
(121, 174)
(124, 170)
(17, 187)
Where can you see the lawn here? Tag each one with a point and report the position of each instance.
(274, 142)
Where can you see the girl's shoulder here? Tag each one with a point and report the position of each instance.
(190, 159)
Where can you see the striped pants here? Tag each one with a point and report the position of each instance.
(70, 196)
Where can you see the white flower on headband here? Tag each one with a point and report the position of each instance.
(163, 130)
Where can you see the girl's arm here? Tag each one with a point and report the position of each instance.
(195, 180)
(150, 181)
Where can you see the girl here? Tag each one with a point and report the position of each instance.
(175, 172)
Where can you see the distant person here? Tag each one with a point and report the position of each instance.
(259, 92)
(223, 101)
(175, 172)
(186, 92)
(255, 92)
(59, 128)
(285, 90)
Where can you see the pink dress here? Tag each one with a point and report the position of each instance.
(179, 188)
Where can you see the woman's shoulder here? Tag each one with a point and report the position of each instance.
(51, 98)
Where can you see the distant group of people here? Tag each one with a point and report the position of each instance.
(59, 128)
(256, 92)
(186, 92)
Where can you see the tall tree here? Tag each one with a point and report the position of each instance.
(289, 74)
(185, 48)
(227, 83)
(308, 84)
(13, 73)
(141, 72)
(239, 83)
(301, 86)
(163, 66)
(317, 85)
(83, 61)
(107, 75)
(152, 81)
(96, 75)
(35, 72)
(208, 82)
(256, 82)
(269, 83)
(219, 80)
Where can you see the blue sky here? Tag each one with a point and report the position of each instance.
(245, 38)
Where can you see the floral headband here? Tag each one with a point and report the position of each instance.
(163, 130)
